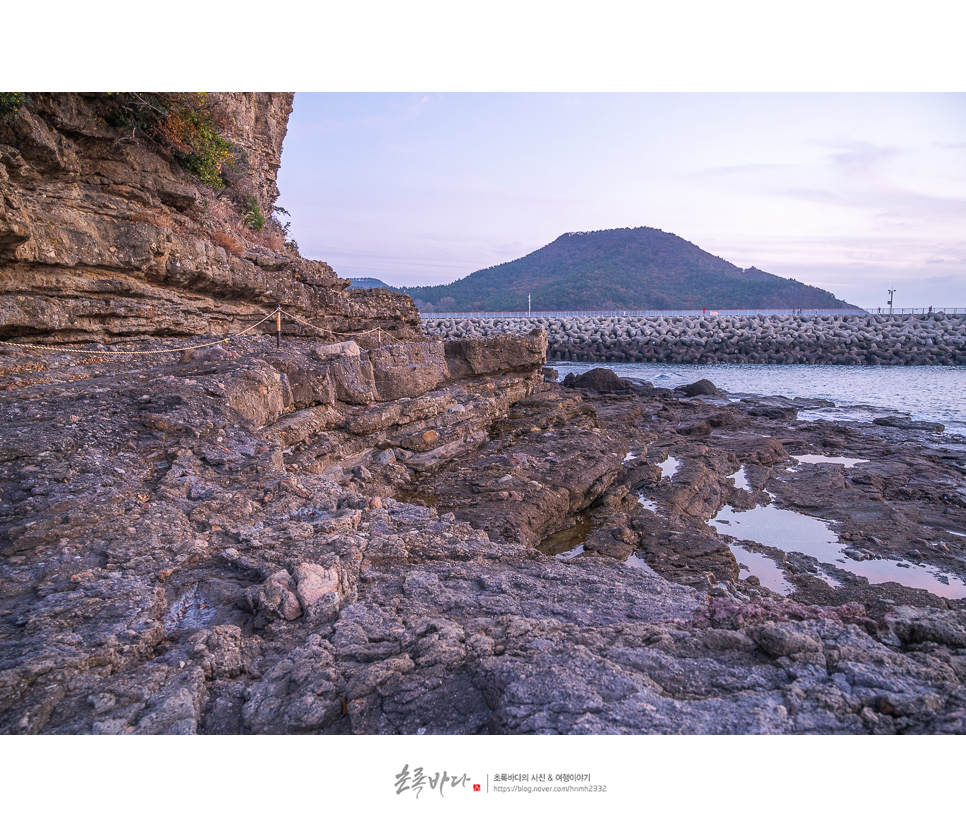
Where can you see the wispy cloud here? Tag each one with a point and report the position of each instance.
(859, 157)
(892, 202)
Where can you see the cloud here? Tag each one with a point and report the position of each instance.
(860, 157)
(748, 168)
(892, 202)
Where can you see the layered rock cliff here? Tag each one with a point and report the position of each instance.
(104, 235)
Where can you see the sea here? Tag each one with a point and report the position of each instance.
(860, 393)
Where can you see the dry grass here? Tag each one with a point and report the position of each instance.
(229, 242)
(154, 217)
(220, 221)
(224, 216)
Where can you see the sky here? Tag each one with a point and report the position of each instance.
(856, 193)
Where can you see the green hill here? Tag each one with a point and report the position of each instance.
(621, 269)
(370, 284)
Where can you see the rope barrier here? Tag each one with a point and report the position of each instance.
(277, 314)
(300, 320)
(108, 354)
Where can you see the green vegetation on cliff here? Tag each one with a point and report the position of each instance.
(621, 269)
(185, 123)
(10, 103)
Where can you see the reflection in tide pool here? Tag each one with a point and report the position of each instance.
(795, 532)
(637, 562)
(569, 554)
(569, 542)
(741, 479)
(784, 529)
(768, 572)
(669, 467)
(848, 463)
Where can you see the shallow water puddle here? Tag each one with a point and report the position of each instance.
(648, 504)
(784, 529)
(848, 463)
(636, 561)
(741, 479)
(909, 574)
(669, 467)
(568, 543)
(569, 554)
(767, 570)
(629, 457)
(791, 531)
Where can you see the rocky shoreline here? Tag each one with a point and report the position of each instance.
(365, 530)
(848, 339)
(228, 545)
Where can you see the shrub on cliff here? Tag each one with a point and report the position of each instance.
(289, 241)
(254, 218)
(10, 103)
(186, 124)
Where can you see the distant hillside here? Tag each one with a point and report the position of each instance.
(621, 269)
(369, 284)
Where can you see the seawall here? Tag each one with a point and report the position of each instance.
(924, 339)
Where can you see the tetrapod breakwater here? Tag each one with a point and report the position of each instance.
(865, 339)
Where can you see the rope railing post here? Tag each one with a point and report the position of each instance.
(278, 326)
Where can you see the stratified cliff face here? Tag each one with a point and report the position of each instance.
(103, 235)
(258, 123)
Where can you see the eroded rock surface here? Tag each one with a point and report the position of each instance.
(365, 531)
(214, 546)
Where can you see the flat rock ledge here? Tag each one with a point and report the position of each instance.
(333, 540)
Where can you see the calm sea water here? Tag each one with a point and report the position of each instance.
(937, 394)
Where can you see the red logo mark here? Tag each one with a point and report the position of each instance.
(476, 787)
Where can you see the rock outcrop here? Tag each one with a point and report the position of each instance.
(255, 541)
(105, 237)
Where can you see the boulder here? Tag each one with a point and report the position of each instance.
(496, 354)
(701, 388)
(598, 379)
(275, 598)
(407, 370)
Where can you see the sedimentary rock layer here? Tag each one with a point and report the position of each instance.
(104, 236)
(929, 339)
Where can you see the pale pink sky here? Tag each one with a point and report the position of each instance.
(855, 193)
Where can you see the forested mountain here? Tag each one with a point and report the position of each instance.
(620, 269)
